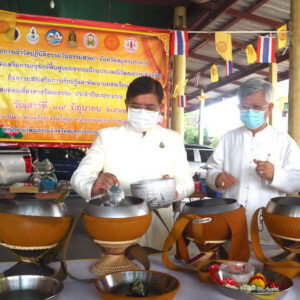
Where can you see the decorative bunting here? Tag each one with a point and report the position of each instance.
(182, 101)
(265, 49)
(282, 37)
(197, 80)
(223, 45)
(251, 54)
(229, 67)
(7, 25)
(179, 43)
(214, 75)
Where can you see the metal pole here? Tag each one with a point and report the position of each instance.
(179, 74)
(294, 88)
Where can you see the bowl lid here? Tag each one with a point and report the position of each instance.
(210, 206)
(286, 206)
(128, 207)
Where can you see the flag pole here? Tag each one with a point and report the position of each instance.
(178, 74)
(294, 87)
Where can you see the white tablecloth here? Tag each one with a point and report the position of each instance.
(191, 288)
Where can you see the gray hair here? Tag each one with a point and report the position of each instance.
(254, 85)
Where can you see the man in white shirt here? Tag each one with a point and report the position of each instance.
(255, 163)
(140, 149)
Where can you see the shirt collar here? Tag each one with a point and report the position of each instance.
(263, 132)
(131, 129)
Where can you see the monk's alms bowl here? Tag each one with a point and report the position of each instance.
(127, 221)
(30, 222)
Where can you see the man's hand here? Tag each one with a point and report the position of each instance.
(264, 169)
(225, 180)
(103, 182)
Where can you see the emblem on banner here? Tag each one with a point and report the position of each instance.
(17, 34)
(72, 39)
(131, 45)
(32, 36)
(111, 42)
(90, 40)
(54, 37)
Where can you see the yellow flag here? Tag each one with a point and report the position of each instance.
(223, 45)
(281, 36)
(7, 25)
(214, 75)
(251, 54)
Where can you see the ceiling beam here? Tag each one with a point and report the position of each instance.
(238, 75)
(228, 25)
(211, 16)
(254, 18)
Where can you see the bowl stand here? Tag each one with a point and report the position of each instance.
(114, 258)
(29, 261)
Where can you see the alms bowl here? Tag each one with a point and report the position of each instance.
(31, 287)
(116, 286)
(31, 222)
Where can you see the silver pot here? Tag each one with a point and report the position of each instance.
(158, 192)
(286, 206)
(30, 206)
(128, 207)
(210, 206)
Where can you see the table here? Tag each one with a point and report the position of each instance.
(191, 287)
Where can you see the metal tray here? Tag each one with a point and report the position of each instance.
(29, 287)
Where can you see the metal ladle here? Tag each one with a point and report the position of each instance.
(115, 194)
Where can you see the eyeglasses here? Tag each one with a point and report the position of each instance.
(146, 107)
(254, 106)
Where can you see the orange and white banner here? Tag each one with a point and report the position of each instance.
(63, 79)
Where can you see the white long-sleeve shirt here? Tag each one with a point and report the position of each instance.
(131, 157)
(235, 153)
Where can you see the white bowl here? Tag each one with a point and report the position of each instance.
(156, 193)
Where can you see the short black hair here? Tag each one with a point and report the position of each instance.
(145, 85)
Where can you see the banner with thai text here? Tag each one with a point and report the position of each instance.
(62, 79)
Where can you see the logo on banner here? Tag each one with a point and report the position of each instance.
(32, 36)
(72, 39)
(90, 40)
(111, 42)
(54, 37)
(17, 34)
(131, 45)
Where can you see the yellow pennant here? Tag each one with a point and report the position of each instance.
(7, 25)
(281, 36)
(223, 45)
(251, 54)
(179, 89)
(214, 75)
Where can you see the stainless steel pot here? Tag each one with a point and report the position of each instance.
(129, 207)
(286, 206)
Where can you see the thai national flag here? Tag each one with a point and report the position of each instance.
(182, 101)
(266, 49)
(179, 43)
(228, 67)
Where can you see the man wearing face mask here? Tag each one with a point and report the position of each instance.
(255, 162)
(137, 150)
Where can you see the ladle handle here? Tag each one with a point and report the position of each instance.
(64, 194)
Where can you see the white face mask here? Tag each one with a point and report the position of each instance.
(141, 119)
